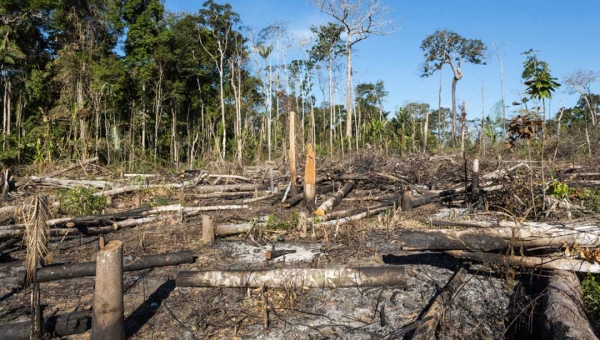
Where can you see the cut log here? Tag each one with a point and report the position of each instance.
(233, 229)
(310, 186)
(107, 315)
(567, 264)
(441, 302)
(132, 188)
(285, 278)
(130, 263)
(529, 235)
(303, 224)
(61, 325)
(564, 317)
(335, 200)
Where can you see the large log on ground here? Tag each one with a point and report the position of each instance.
(568, 264)
(61, 325)
(292, 201)
(335, 200)
(564, 316)
(441, 302)
(285, 278)
(108, 310)
(130, 263)
(528, 235)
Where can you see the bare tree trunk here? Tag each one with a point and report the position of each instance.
(292, 155)
(482, 122)
(425, 131)
(440, 111)
(454, 82)
(349, 89)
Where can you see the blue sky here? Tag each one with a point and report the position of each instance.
(565, 33)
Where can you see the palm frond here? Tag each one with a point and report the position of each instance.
(36, 235)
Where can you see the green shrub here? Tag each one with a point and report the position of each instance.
(591, 297)
(80, 201)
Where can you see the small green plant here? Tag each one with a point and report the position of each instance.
(80, 201)
(559, 189)
(591, 296)
(275, 224)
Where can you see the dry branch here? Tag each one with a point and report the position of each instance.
(285, 278)
(438, 307)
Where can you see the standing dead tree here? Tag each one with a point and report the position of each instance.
(361, 19)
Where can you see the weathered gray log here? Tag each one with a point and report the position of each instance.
(335, 200)
(441, 302)
(107, 314)
(130, 263)
(527, 235)
(568, 264)
(282, 278)
(229, 187)
(131, 188)
(564, 316)
(61, 325)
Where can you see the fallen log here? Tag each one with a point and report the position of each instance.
(294, 200)
(61, 325)
(344, 220)
(285, 278)
(529, 235)
(73, 183)
(567, 264)
(131, 188)
(441, 302)
(564, 317)
(335, 200)
(130, 263)
(69, 168)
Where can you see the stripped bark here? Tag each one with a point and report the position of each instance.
(310, 186)
(286, 278)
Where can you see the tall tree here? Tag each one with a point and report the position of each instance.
(218, 22)
(326, 49)
(143, 19)
(447, 47)
(361, 19)
(580, 82)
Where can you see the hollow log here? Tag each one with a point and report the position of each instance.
(285, 278)
(107, 314)
(335, 200)
(564, 317)
(61, 325)
(529, 235)
(441, 302)
(567, 264)
(130, 263)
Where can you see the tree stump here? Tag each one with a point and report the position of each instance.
(107, 316)
(208, 229)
